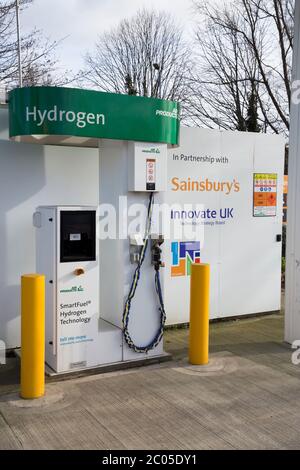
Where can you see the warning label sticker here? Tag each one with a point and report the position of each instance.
(265, 194)
(150, 174)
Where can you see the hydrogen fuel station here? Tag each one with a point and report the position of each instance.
(121, 209)
(104, 296)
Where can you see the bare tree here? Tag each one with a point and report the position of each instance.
(144, 55)
(245, 50)
(39, 64)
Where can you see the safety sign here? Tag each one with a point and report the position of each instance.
(265, 194)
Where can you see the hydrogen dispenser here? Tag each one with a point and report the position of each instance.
(67, 253)
(132, 176)
(104, 301)
(104, 294)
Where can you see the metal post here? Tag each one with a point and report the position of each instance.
(292, 279)
(32, 336)
(19, 44)
(199, 314)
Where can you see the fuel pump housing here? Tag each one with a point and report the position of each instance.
(98, 310)
(67, 253)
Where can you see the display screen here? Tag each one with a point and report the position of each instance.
(77, 236)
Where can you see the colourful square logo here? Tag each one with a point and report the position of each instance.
(183, 255)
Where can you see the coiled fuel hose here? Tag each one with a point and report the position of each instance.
(137, 273)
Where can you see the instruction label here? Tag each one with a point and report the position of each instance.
(150, 174)
(265, 194)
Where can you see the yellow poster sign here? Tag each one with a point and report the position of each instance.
(265, 194)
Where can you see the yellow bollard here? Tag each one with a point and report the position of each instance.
(32, 336)
(199, 314)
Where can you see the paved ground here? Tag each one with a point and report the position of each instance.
(247, 398)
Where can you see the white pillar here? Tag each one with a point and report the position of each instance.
(292, 303)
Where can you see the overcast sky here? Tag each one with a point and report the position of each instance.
(83, 20)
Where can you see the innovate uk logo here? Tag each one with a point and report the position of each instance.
(183, 255)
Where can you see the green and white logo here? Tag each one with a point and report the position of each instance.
(153, 151)
(72, 289)
(174, 114)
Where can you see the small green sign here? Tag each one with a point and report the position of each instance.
(51, 111)
(72, 289)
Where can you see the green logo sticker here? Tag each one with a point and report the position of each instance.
(72, 289)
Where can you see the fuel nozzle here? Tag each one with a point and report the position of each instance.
(156, 252)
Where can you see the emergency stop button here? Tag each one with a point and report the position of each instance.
(79, 271)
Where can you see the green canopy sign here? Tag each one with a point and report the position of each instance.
(71, 116)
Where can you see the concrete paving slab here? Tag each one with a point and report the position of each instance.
(247, 398)
(8, 440)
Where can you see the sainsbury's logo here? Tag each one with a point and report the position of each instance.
(207, 185)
